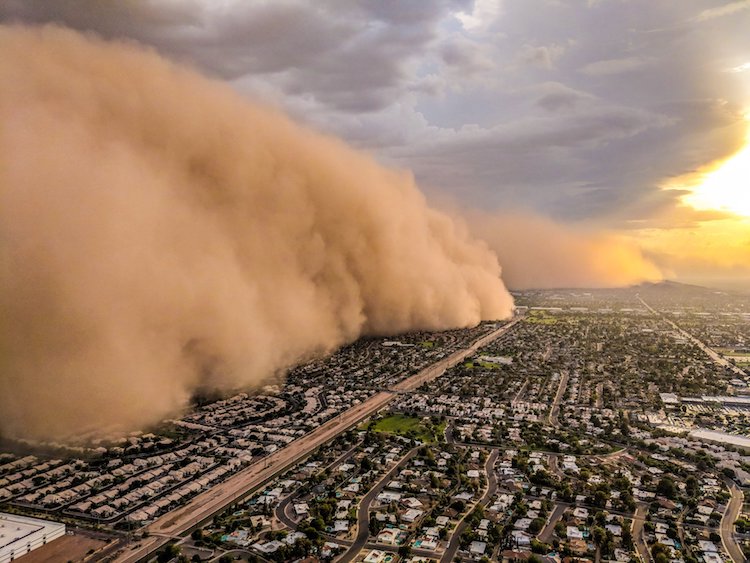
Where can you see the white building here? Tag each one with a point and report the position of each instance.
(477, 547)
(19, 535)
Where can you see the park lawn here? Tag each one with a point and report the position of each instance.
(540, 318)
(409, 426)
(471, 364)
(742, 359)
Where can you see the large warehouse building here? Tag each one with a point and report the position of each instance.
(19, 535)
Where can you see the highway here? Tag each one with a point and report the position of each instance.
(214, 500)
(438, 368)
(728, 519)
(710, 352)
(203, 506)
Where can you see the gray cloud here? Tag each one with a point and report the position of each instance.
(350, 57)
(572, 109)
(543, 56)
(615, 66)
(554, 96)
(723, 10)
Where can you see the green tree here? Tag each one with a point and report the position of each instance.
(627, 538)
(666, 487)
(168, 553)
(539, 547)
(599, 535)
(600, 498)
(691, 486)
(660, 553)
(536, 526)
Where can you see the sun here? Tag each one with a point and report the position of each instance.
(725, 187)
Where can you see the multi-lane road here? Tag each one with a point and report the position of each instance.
(178, 522)
(710, 352)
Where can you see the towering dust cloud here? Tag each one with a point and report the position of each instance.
(158, 235)
(537, 252)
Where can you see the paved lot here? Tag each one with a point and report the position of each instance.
(66, 548)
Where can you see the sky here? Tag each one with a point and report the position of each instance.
(609, 120)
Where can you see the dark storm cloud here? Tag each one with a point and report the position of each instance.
(579, 110)
(572, 108)
(512, 160)
(348, 56)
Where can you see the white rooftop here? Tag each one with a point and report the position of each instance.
(19, 534)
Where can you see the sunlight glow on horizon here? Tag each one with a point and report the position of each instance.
(726, 187)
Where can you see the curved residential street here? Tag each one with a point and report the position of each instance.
(553, 461)
(489, 466)
(282, 511)
(728, 519)
(363, 511)
(557, 513)
(640, 544)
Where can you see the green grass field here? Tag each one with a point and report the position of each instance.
(410, 427)
(540, 318)
(742, 359)
(484, 365)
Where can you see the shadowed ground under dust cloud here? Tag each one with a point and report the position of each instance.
(159, 234)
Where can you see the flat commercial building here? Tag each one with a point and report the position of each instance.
(19, 535)
(722, 438)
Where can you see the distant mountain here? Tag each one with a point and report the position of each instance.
(665, 287)
(672, 292)
(673, 286)
(669, 285)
